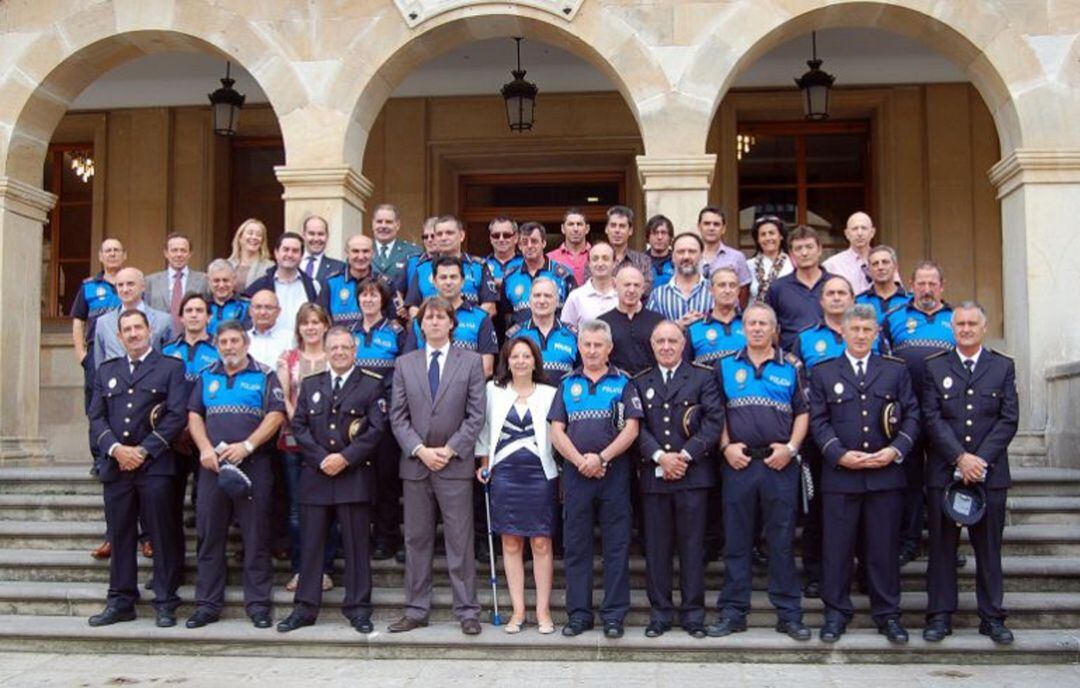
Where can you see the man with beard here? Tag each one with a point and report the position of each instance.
(687, 297)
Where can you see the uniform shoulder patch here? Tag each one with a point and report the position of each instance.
(641, 374)
(371, 373)
(793, 360)
(512, 332)
(999, 353)
(702, 366)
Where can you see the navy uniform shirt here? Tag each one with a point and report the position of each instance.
(883, 306)
(633, 350)
(976, 413)
(145, 409)
(236, 308)
(338, 297)
(709, 339)
(796, 305)
(96, 297)
(499, 270)
(587, 408)
(517, 286)
(477, 288)
(404, 278)
(761, 403)
(234, 405)
(195, 357)
(914, 335)
(845, 416)
(819, 342)
(558, 347)
(474, 332)
(663, 268)
(379, 347)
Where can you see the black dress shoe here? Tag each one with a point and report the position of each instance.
(200, 618)
(696, 630)
(997, 632)
(832, 631)
(382, 552)
(470, 626)
(261, 620)
(726, 626)
(290, 623)
(576, 627)
(613, 630)
(894, 631)
(812, 590)
(796, 630)
(363, 625)
(936, 630)
(166, 618)
(655, 629)
(111, 615)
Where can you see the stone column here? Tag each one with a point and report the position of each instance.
(1040, 201)
(676, 186)
(339, 194)
(23, 211)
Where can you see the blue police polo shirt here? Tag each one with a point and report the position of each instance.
(476, 289)
(663, 268)
(378, 348)
(499, 270)
(710, 340)
(196, 357)
(517, 286)
(586, 408)
(474, 332)
(559, 348)
(234, 405)
(797, 306)
(883, 306)
(96, 297)
(233, 309)
(914, 335)
(761, 403)
(820, 342)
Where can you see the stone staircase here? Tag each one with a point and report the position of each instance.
(51, 516)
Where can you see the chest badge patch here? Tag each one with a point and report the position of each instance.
(838, 388)
(112, 382)
(315, 397)
(820, 346)
(576, 389)
(343, 294)
(740, 375)
(711, 335)
(911, 324)
(947, 382)
(519, 290)
(214, 387)
(650, 393)
(101, 292)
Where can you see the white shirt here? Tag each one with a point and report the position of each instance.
(344, 377)
(140, 359)
(442, 357)
(667, 373)
(267, 347)
(586, 303)
(388, 246)
(974, 359)
(291, 295)
(865, 360)
(316, 260)
(183, 279)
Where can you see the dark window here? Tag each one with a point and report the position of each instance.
(254, 188)
(67, 234)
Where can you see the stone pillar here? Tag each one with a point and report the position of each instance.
(339, 194)
(23, 211)
(1039, 191)
(676, 186)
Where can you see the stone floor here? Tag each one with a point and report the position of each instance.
(32, 669)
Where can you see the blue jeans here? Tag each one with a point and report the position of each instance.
(293, 462)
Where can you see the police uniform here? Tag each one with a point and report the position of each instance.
(899, 298)
(477, 288)
(195, 357)
(96, 297)
(393, 265)
(499, 270)
(913, 336)
(558, 347)
(710, 339)
(682, 415)
(761, 405)
(235, 308)
(350, 421)
(376, 350)
(974, 412)
(588, 410)
(146, 409)
(796, 305)
(663, 268)
(517, 288)
(233, 406)
(474, 332)
(338, 297)
(847, 414)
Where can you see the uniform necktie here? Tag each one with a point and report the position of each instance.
(667, 377)
(174, 302)
(433, 374)
(135, 367)
(969, 363)
(337, 385)
(309, 269)
(860, 372)
(384, 251)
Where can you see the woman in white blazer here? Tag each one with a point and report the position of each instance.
(515, 453)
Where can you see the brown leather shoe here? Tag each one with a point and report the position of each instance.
(406, 624)
(147, 549)
(103, 551)
(470, 626)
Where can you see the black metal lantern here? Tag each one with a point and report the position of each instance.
(227, 104)
(520, 96)
(815, 85)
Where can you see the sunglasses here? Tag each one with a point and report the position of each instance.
(502, 235)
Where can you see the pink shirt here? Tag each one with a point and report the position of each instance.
(849, 264)
(574, 261)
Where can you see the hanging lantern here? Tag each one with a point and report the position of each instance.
(520, 96)
(227, 104)
(815, 85)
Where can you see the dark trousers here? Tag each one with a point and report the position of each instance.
(985, 537)
(387, 509)
(714, 524)
(811, 520)
(876, 517)
(675, 520)
(213, 516)
(583, 498)
(774, 493)
(293, 462)
(151, 497)
(914, 513)
(355, 522)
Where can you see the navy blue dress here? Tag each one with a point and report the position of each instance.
(523, 500)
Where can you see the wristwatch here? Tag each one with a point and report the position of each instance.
(791, 448)
(249, 447)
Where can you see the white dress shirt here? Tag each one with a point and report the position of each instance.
(443, 352)
(316, 261)
(865, 360)
(344, 377)
(267, 347)
(183, 280)
(974, 359)
(291, 295)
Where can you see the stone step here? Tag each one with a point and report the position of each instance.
(1022, 573)
(1046, 509)
(1026, 610)
(333, 638)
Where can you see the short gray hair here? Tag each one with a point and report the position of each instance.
(762, 306)
(220, 264)
(860, 311)
(970, 305)
(595, 326)
(544, 278)
(883, 248)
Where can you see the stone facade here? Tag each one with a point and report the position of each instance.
(327, 69)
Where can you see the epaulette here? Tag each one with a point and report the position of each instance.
(897, 307)
(110, 360)
(469, 258)
(703, 366)
(514, 329)
(371, 373)
(809, 327)
(999, 353)
(793, 360)
(894, 359)
(939, 354)
(642, 373)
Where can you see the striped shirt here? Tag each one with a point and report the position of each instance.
(669, 300)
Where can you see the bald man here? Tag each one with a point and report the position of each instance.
(130, 285)
(852, 262)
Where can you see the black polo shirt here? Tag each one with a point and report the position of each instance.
(632, 352)
(797, 306)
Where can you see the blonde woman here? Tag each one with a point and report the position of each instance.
(250, 253)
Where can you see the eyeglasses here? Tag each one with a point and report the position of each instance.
(428, 237)
(502, 235)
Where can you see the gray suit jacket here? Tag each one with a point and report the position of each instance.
(158, 293)
(454, 420)
(107, 342)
